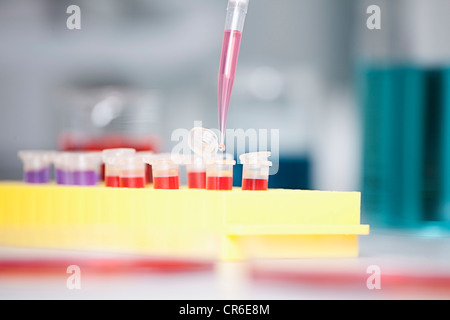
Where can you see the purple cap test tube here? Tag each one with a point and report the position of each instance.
(85, 168)
(63, 175)
(36, 165)
(77, 168)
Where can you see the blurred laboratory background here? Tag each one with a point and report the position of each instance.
(356, 109)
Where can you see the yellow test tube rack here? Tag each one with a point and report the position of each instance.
(225, 225)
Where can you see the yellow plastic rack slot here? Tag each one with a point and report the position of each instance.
(226, 225)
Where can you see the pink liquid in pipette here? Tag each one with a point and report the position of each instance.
(227, 71)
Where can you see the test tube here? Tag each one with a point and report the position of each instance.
(255, 170)
(36, 165)
(63, 173)
(148, 167)
(132, 172)
(165, 171)
(85, 167)
(219, 172)
(111, 160)
(196, 172)
(77, 168)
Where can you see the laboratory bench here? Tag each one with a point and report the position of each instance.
(392, 264)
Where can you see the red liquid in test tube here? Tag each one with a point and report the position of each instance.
(219, 172)
(196, 179)
(171, 182)
(113, 159)
(255, 170)
(112, 181)
(255, 184)
(132, 182)
(219, 183)
(164, 170)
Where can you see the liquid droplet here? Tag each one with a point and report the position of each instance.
(222, 147)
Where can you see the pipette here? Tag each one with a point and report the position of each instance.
(234, 25)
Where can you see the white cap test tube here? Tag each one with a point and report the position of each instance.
(255, 170)
(132, 171)
(165, 168)
(219, 172)
(111, 160)
(196, 171)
